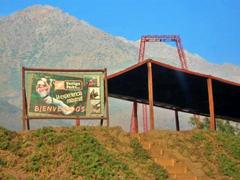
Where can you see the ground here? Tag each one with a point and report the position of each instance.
(111, 153)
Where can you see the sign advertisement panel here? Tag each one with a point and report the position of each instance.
(66, 94)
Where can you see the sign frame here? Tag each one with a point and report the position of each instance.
(25, 115)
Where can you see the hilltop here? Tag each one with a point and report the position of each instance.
(46, 37)
(70, 153)
(110, 153)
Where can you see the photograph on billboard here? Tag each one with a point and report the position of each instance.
(66, 94)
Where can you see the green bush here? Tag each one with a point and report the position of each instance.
(231, 144)
(200, 124)
(47, 135)
(43, 131)
(39, 160)
(93, 161)
(198, 136)
(222, 125)
(2, 163)
(33, 163)
(158, 171)
(229, 167)
(226, 127)
(138, 151)
(5, 138)
(4, 175)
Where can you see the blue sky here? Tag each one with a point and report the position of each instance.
(210, 28)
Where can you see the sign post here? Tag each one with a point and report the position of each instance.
(64, 94)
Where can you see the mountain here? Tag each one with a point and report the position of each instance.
(46, 37)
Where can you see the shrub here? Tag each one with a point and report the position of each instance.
(199, 136)
(141, 154)
(228, 167)
(2, 163)
(5, 138)
(158, 171)
(93, 161)
(38, 160)
(138, 151)
(226, 127)
(47, 135)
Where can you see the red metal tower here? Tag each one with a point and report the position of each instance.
(183, 61)
(163, 38)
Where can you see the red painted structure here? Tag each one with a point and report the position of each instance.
(163, 38)
(183, 62)
(161, 85)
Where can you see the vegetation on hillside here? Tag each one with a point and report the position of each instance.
(109, 153)
(218, 151)
(222, 125)
(87, 153)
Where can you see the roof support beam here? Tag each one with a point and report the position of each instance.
(134, 119)
(150, 95)
(177, 120)
(77, 122)
(25, 119)
(211, 104)
(145, 116)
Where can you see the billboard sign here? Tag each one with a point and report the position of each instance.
(66, 95)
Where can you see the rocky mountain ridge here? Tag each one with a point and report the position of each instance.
(46, 37)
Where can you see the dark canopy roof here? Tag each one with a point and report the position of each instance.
(175, 88)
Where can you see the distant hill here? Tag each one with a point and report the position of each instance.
(44, 36)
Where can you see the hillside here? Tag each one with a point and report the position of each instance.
(70, 153)
(44, 36)
(202, 154)
(109, 153)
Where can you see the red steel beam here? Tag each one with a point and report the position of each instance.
(163, 38)
(150, 95)
(160, 38)
(145, 115)
(77, 122)
(177, 120)
(211, 104)
(134, 120)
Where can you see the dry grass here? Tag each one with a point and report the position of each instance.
(73, 153)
